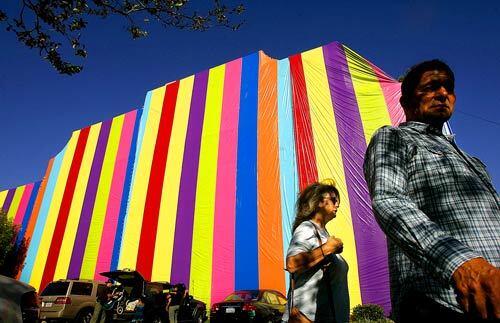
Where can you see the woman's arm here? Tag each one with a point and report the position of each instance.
(306, 260)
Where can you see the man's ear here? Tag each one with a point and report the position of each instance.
(403, 101)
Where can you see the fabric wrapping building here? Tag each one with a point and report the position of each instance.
(199, 185)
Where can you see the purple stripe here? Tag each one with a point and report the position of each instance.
(181, 258)
(370, 241)
(88, 203)
(8, 199)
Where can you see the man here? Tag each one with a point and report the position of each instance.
(438, 208)
(103, 296)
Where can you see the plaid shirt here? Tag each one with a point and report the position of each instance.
(437, 206)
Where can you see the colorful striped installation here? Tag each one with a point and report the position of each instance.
(199, 186)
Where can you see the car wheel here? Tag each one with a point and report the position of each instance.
(84, 316)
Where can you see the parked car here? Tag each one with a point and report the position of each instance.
(250, 306)
(18, 301)
(69, 299)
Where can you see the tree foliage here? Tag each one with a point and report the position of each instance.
(368, 313)
(12, 247)
(47, 25)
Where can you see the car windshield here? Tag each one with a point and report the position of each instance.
(243, 296)
(55, 288)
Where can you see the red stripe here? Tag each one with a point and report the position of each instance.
(62, 217)
(153, 197)
(304, 144)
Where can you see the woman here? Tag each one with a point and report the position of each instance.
(319, 272)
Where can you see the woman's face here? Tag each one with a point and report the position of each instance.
(329, 206)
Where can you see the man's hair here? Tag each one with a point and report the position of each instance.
(413, 75)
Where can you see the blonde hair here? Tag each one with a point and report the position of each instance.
(308, 200)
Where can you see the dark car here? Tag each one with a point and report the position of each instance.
(250, 306)
(18, 301)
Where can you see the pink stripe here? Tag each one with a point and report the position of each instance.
(392, 91)
(18, 219)
(225, 196)
(115, 196)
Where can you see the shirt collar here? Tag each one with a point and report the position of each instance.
(426, 128)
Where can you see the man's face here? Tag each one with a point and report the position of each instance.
(434, 98)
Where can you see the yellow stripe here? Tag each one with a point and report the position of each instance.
(101, 203)
(77, 204)
(133, 225)
(48, 231)
(3, 195)
(329, 158)
(369, 95)
(15, 202)
(162, 261)
(201, 253)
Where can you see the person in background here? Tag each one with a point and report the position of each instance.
(438, 208)
(103, 296)
(318, 269)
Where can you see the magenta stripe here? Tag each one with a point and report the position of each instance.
(181, 258)
(392, 92)
(8, 199)
(18, 219)
(225, 196)
(370, 241)
(88, 202)
(115, 196)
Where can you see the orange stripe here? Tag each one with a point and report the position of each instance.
(271, 274)
(38, 203)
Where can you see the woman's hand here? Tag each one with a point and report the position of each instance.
(333, 245)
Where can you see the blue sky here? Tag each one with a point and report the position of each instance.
(40, 108)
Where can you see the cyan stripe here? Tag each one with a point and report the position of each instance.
(42, 218)
(289, 181)
(246, 244)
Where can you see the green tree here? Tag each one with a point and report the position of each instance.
(46, 25)
(12, 249)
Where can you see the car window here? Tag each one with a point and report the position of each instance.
(243, 296)
(269, 298)
(80, 288)
(100, 289)
(55, 288)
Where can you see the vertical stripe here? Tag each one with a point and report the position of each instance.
(115, 196)
(28, 214)
(3, 195)
(329, 158)
(88, 203)
(271, 274)
(392, 92)
(373, 271)
(127, 187)
(38, 202)
(153, 198)
(246, 253)
(96, 225)
(181, 258)
(203, 226)
(142, 171)
(8, 199)
(289, 182)
(369, 95)
(62, 216)
(37, 223)
(162, 263)
(61, 270)
(23, 204)
(304, 142)
(16, 201)
(53, 211)
(225, 196)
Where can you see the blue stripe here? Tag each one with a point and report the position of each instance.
(42, 218)
(27, 214)
(126, 190)
(289, 182)
(246, 258)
